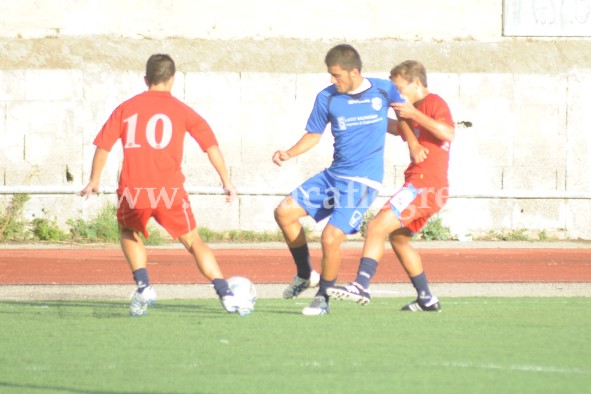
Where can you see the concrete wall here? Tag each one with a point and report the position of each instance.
(252, 69)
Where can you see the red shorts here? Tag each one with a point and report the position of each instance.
(178, 220)
(415, 205)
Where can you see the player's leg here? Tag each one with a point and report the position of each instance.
(331, 240)
(135, 252)
(412, 263)
(131, 223)
(180, 223)
(209, 267)
(202, 254)
(287, 215)
(351, 199)
(378, 229)
(373, 250)
(428, 201)
(305, 200)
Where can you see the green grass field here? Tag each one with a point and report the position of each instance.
(476, 345)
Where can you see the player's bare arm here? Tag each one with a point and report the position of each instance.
(307, 142)
(393, 126)
(98, 163)
(219, 164)
(418, 153)
(441, 130)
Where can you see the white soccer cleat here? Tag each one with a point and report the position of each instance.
(244, 296)
(299, 284)
(233, 304)
(318, 306)
(141, 301)
(230, 303)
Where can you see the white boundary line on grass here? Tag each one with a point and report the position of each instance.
(522, 368)
(196, 291)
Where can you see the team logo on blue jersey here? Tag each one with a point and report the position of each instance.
(376, 103)
(342, 123)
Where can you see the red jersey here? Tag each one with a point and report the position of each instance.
(432, 171)
(152, 127)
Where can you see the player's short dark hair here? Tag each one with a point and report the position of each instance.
(159, 68)
(345, 56)
(409, 70)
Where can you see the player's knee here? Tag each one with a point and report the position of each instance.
(376, 229)
(283, 214)
(400, 239)
(189, 239)
(331, 239)
(279, 215)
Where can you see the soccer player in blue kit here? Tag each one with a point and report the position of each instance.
(356, 108)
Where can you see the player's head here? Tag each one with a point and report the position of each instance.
(410, 71)
(345, 56)
(159, 68)
(344, 66)
(410, 77)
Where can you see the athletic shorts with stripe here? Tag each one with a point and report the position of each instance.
(413, 205)
(344, 200)
(178, 219)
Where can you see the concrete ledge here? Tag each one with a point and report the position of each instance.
(286, 55)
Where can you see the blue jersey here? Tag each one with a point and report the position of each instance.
(358, 123)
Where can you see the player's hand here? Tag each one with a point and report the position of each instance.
(280, 156)
(418, 153)
(230, 192)
(405, 110)
(90, 189)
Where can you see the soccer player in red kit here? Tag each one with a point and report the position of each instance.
(423, 194)
(152, 127)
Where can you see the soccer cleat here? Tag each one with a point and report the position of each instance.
(318, 306)
(141, 301)
(233, 304)
(352, 292)
(431, 306)
(229, 302)
(299, 284)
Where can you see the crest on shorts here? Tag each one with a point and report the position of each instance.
(355, 219)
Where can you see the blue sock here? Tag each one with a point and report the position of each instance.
(141, 279)
(422, 287)
(324, 284)
(221, 287)
(301, 256)
(366, 271)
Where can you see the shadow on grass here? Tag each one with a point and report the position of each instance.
(108, 309)
(120, 309)
(17, 387)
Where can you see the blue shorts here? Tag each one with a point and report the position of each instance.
(344, 200)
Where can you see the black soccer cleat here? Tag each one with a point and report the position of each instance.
(431, 306)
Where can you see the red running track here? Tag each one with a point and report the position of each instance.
(175, 266)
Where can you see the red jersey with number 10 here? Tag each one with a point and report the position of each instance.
(152, 127)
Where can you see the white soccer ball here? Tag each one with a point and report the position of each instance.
(245, 292)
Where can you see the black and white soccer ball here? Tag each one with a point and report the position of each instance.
(245, 291)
